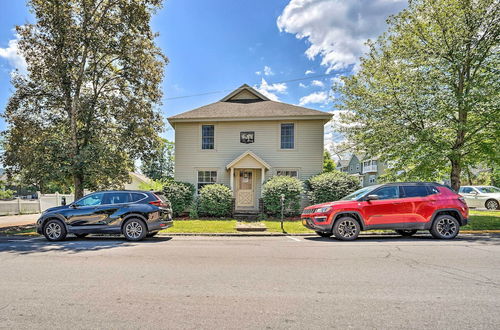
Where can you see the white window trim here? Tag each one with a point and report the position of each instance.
(287, 169)
(211, 169)
(200, 137)
(295, 137)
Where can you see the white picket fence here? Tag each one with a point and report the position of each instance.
(27, 206)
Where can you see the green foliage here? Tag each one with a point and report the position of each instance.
(88, 106)
(193, 209)
(328, 163)
(282, 185)
(7, 194)
(215, 201)
(180, 195)
(332, 186)
(426, 96)
(160, 165)
(153, 185)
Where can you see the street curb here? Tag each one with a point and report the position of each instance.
(257, 234)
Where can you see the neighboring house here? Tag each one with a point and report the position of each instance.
(136, 181)
(244, 139)
(366, 169)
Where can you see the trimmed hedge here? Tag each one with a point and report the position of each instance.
(216, 200)
(180, 195)
(331, 186)
(274, 188)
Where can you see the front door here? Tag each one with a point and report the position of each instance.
(245, 188)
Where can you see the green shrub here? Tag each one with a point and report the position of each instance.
(282, 185)
(330, 186)
(193, 210)
(180, 195)
(7, 194)
(215, 201)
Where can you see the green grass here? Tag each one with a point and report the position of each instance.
(483, 220)
(202, 226)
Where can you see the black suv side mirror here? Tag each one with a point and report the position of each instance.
(372, 197)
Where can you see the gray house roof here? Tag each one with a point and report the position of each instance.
(245, 103)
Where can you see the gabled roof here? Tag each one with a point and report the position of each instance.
(248, 153)
(246, 103)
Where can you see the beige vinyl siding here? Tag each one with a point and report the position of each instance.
(306, 157)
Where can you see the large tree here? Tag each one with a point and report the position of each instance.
(88, 106)
(160, 165)
(426, 96)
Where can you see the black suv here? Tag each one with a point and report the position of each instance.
(135, 214)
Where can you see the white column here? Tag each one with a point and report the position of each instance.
(231, 180)
(263, 175)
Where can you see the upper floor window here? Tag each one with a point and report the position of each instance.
(206, 177)
(287, 136)
(292, 173)
(207, 137)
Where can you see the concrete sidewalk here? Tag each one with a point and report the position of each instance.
(18, 220)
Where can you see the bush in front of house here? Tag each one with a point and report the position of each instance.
(215, 200)
(282, 185)
(330, 186)
(180, 195)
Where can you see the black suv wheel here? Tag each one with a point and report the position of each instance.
(134, 229)
(54, 230)
(445, 227)
(346, 229)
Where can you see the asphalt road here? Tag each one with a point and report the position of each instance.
(251, 282)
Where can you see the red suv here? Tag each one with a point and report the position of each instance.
(404, 207)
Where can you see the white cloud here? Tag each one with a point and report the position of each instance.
(309, 72)
(267, 71)
(337, 29)
(337, 80)
(314, 98)
(302, 85)
(271, 90)
(317, 83)
(12, 55)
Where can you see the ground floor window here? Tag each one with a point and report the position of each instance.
(372, 179)
(287, 172)
(206, 177)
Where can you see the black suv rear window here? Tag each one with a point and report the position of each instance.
(137, 197)
(415, 191)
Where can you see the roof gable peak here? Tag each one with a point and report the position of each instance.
(244, 93)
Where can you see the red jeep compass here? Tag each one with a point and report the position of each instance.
(404, 207)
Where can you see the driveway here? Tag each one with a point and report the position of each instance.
(251, 282)
(18, 220)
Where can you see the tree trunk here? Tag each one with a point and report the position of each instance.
(456, 169)
(78, 185)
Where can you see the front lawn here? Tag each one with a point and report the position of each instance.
(202, 226)
(483, 220)
(292, 227)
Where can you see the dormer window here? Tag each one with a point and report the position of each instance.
(207, 137)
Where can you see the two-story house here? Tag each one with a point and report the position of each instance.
(244, 139)
(366, 169)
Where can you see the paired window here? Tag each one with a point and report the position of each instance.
(207, 137)
(292, 173)
(287, 136)
(372, 179)
(206, 177)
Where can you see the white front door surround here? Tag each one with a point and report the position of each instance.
(243, 179)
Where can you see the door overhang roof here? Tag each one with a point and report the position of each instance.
(251, 161)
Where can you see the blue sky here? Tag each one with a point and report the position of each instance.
(220, 44)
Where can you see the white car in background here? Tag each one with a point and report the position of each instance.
(481, 196)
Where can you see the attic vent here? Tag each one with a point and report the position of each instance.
(244, 95)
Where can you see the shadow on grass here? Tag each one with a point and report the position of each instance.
(476, 238)
(29, 245)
